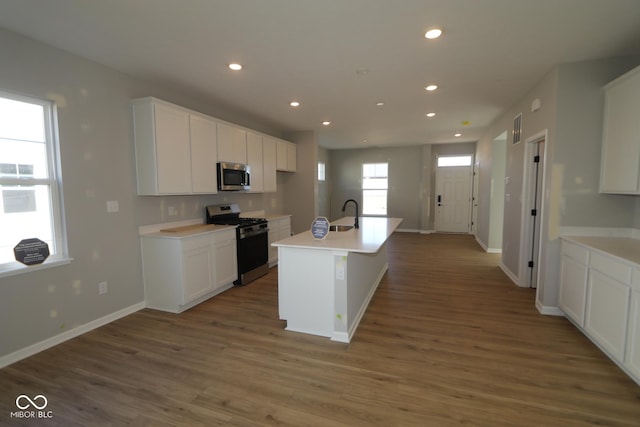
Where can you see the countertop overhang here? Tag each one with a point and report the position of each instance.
(622, 247)
(369, 238)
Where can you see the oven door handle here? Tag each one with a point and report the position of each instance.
(244, 235)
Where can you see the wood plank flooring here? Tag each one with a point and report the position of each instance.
(447, 340)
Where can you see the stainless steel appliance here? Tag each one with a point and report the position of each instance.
(251, 238)
(233, 176)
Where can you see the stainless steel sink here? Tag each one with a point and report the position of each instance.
(340, 227)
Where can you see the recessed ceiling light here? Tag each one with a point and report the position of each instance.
(379, 103)
(326, 123)
(235, 66)
(294, 103)
(431, 88)
(433, 33)
(430, 114)
(457, 135)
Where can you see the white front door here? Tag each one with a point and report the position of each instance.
(453, 199)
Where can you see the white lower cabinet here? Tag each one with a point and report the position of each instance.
(606, 314)
(600, 293)
(632, 356)
(573, 292)
(279, 228)
(180, 272)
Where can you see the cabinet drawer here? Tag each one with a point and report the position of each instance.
(576, 252)
(611, 267)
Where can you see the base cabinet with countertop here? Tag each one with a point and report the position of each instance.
(325, 285)
(182, 269)
(599, 287)
(279, 228)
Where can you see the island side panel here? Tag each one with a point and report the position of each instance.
(363, 275)
(306, 290)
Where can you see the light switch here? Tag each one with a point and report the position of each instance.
(113, 206)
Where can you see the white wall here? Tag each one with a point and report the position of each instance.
(572, 111)
(97, 165)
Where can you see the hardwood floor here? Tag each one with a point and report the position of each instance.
(447, 340)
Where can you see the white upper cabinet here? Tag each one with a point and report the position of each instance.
(285, 156)
(177, 150)
(620, 169)
(255, 161)
(232, 144)
(163, 154)
(269, 164)
(204, 154)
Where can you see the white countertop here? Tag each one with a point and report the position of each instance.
(369, 238)
(621, 247)
(181, 232)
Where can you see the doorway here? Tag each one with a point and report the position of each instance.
(532, 214)
(497, 192)
(453, 194)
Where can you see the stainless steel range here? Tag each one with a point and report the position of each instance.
(251, 238)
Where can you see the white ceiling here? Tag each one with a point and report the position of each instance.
(491, 54)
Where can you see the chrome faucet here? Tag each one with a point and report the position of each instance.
(356, 225)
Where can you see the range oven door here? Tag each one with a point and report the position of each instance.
(253, 255)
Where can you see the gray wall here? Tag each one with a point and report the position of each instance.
(324, 187)
(97, 165)
(572, 112)
(405, 179)
(301, 188)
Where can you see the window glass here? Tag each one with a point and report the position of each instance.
(29, 187)
(375, 183)
(449, 161)
(321, 171)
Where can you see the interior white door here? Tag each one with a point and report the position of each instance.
(453, 199)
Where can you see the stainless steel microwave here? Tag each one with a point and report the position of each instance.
(233, 176)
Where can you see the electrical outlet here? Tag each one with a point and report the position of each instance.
(102, 288)
(113, 206)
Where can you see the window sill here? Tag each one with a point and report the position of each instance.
(16, 268)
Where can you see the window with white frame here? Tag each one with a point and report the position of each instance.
(375, 183)
(30, 202)
(321, 171)
(452, 161)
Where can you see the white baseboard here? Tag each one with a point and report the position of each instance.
(427, 231)
(407, 230)
(65, 336)
(509, 274)
(548, 310)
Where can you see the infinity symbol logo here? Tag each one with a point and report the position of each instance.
(20, 401)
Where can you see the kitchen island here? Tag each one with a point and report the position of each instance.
(324, 286)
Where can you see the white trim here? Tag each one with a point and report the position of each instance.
(486, 248)
(427, 231)
(65, 336)
(407, 230)
(14, 269)
(525, 218)
(509, 274)
(548, 310)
